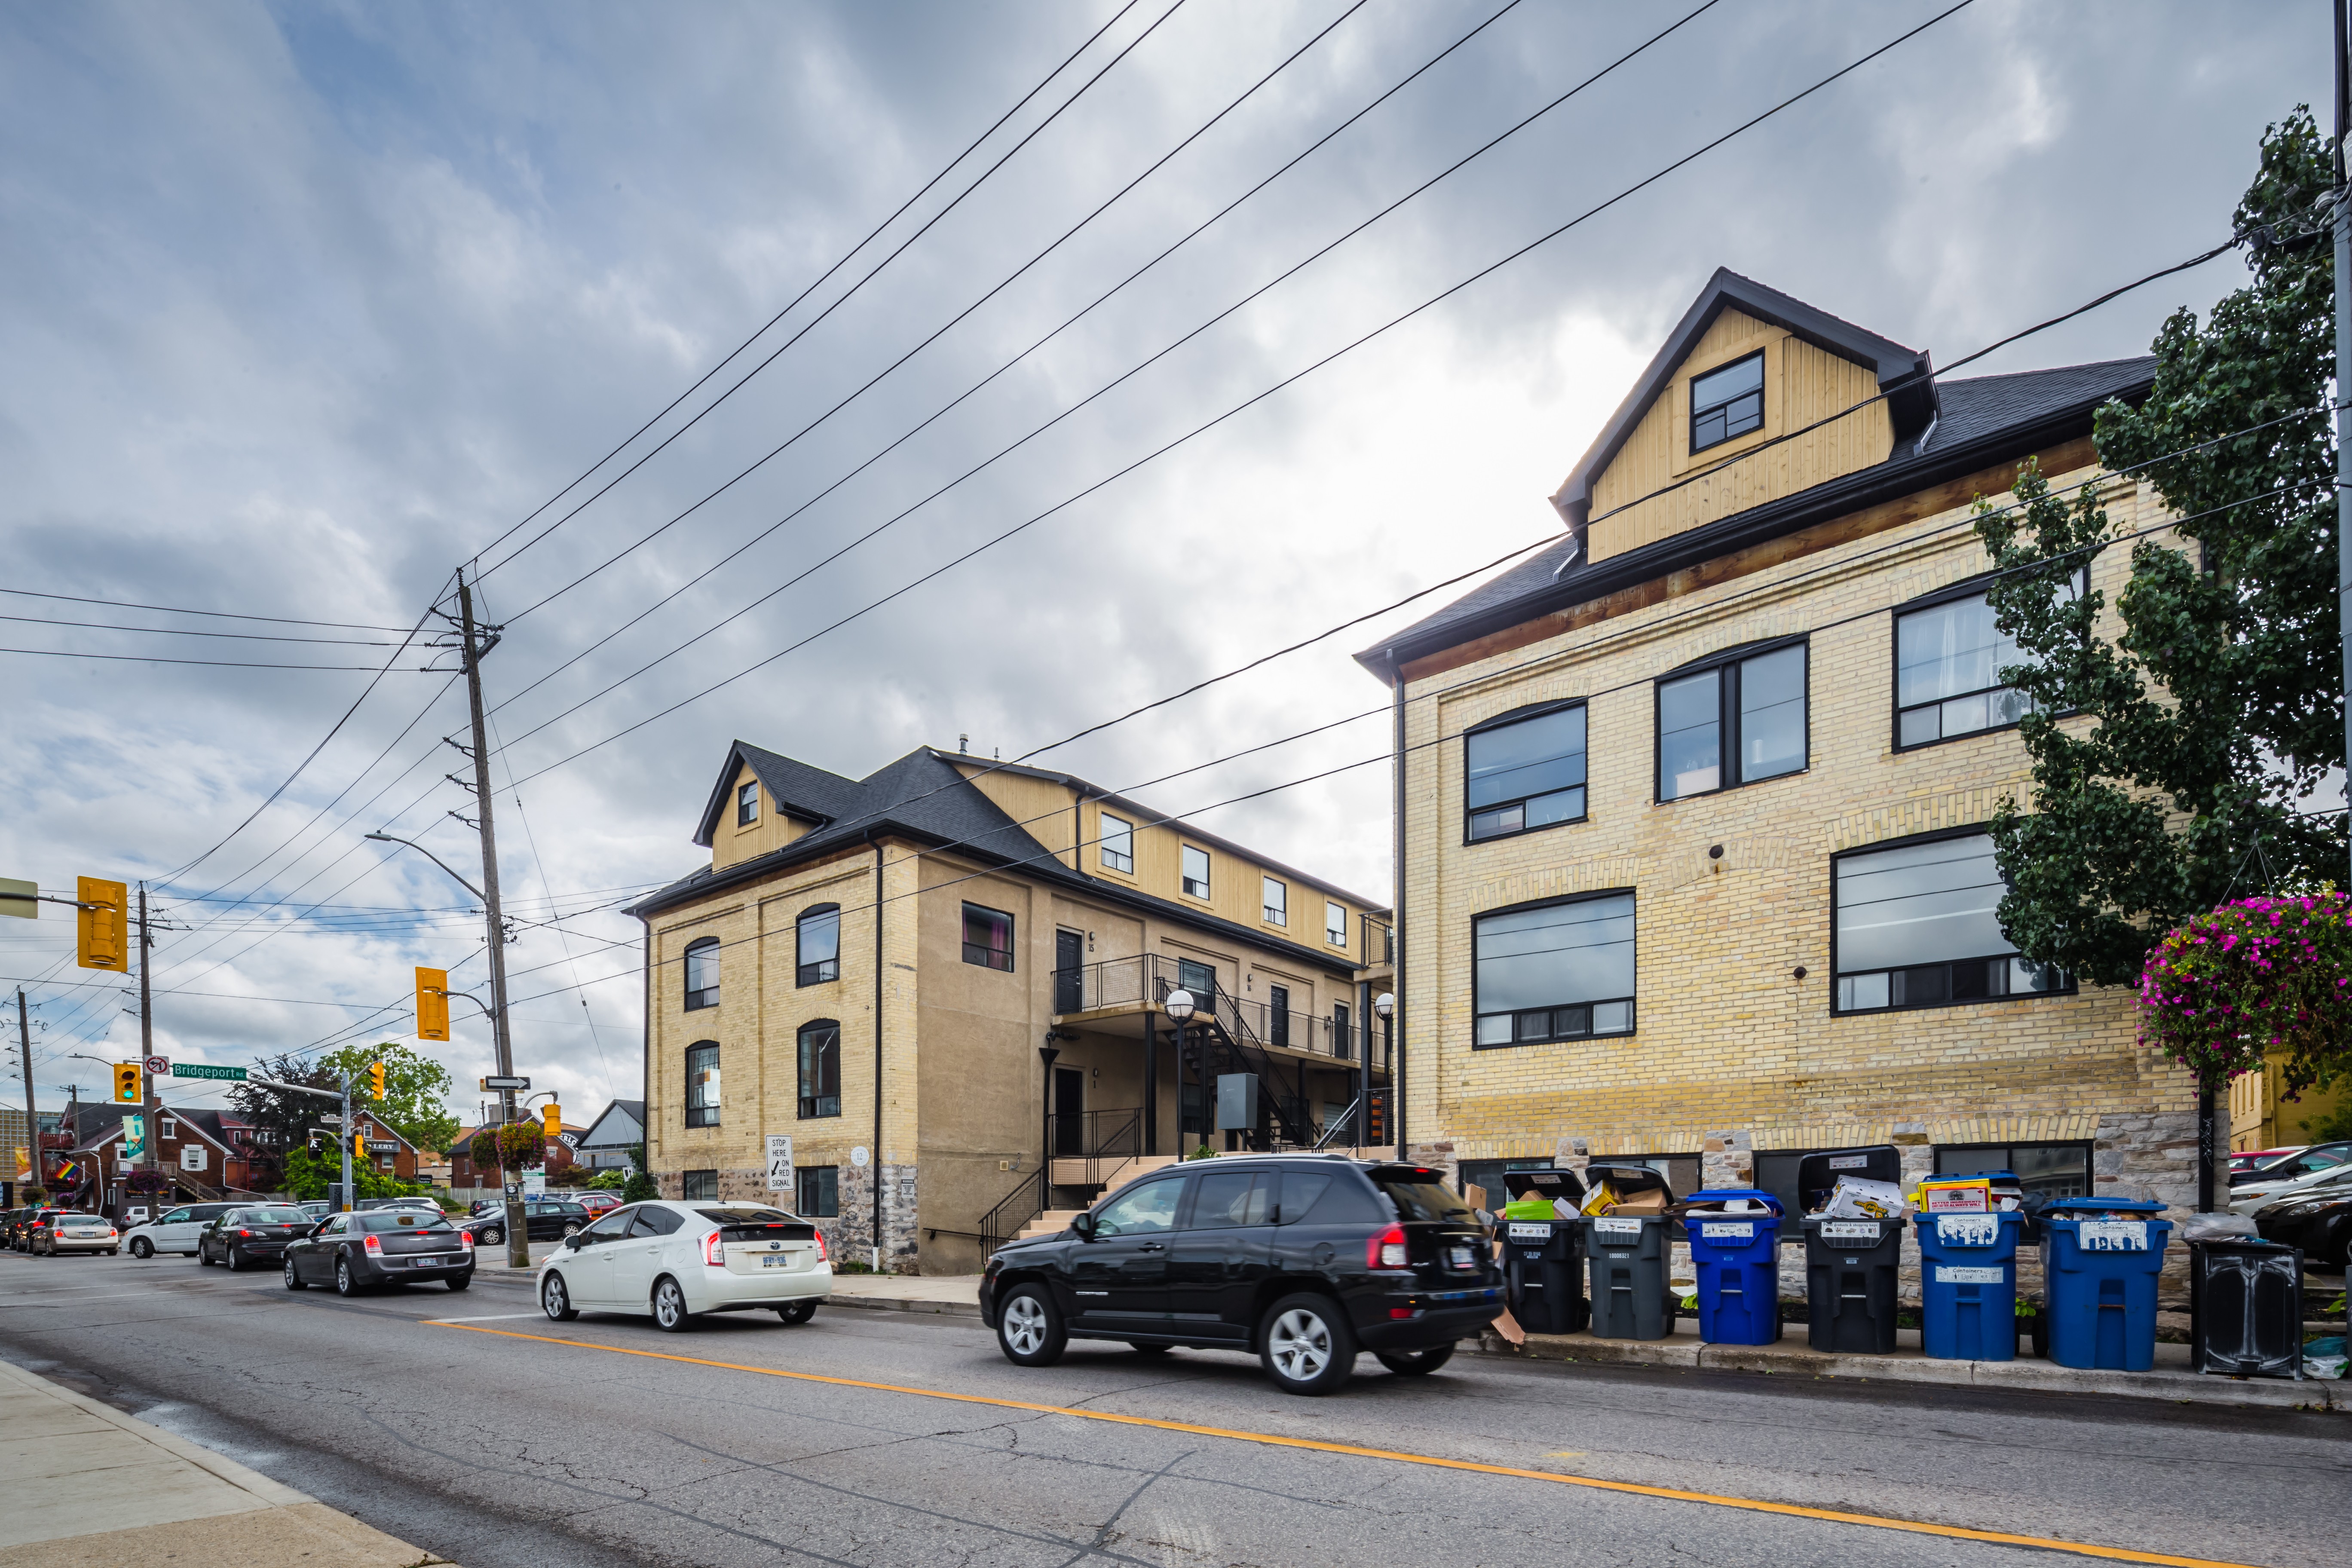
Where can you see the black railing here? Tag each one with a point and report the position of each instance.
(1100, 1137)
(1025, 1202)
(1146, 979)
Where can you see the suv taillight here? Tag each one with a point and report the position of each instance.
(1386, 1250)
(376, 1247)
(820, 1246)
(714, 1250)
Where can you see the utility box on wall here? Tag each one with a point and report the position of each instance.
(1237, 1102)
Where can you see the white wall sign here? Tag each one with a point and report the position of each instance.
(780, 1162)
(857, 1156)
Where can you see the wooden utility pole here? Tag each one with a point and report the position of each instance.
(151, 1104)
(518, 1234)
(32, 1112)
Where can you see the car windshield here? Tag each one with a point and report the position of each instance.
(383, 1221)
(1423, 1195)
(92, 1220)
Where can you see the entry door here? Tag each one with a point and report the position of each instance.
(1069, 1110)
(1069, 970)
(1119, 1278)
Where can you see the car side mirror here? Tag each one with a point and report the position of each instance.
(575, 1241)
(1084, 1223)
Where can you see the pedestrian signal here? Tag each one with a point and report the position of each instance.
(432, 1005)
(318, 1144)
(551, 1119)
(102, 926)
(376, 1080)
(128, 1090)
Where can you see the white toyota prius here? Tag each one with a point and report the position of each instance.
(674, 1261)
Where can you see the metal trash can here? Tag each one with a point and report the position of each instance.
(1632, 1298)
(1542, 1281)
(2100, 1257)
(1850, 1283)
(2246, 1308)
(1737, 1257)
(1968, 1285)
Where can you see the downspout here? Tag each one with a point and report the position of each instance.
(1396, 1067)
(875, 1161)
(645, 1057)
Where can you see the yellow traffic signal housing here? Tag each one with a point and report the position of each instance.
(102, 934)
(128, 1090)
(358, 1148)
(432, 1006)
(551, 1119)
(376, 1080)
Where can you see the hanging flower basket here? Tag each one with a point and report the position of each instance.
(2250, 980)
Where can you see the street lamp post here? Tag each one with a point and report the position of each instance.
(1385, 1006)
(1045, 1157)
(1178, 1006)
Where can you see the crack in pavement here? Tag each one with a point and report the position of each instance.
(1103, 1533)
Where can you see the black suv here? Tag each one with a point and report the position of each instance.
(1305, 1259)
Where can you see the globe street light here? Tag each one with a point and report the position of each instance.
(1385, 1006)
(1178, 1006)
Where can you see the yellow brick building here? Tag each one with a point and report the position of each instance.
(923, 977)
(1692, 800)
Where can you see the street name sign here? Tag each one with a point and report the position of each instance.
(197, 1069)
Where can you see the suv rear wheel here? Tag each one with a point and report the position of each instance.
(1305, 1346)
(1028, 1329)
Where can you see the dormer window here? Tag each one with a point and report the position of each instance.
(747, 806)
(1728, 402)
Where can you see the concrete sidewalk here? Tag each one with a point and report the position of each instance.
(92, 1487)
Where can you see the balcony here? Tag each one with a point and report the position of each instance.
(1117, 988)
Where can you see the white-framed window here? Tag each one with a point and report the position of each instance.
(1335, 924)
(1118, 836)
(1196, 872)
(1559, 971)
(1277, 903)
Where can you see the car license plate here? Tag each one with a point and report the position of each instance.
(1461, 1258)
(775, 1260)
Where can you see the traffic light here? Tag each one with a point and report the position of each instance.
(432, 1005)
(102, 933)
(551, 1119)
(359, 1147)
(376, 1080)
(128, 1090)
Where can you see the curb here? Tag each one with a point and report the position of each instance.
(2033, 1376)
(902, 1304)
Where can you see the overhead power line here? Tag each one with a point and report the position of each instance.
(180, 610)
(193, 632)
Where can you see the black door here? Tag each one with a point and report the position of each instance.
(1069, 971)
(1119, 1280)
(1217, 1261)
(1069, 1110)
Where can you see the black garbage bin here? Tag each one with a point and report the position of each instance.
(1632, 1297)
(1542, 1280)
(1850, 1282)
(2246, 1308)
(1817, 1175)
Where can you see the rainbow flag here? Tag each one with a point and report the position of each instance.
(69, 1172)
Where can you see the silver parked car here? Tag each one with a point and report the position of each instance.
(73, 1231)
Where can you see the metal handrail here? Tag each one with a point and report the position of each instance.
(1144, 979)
(1122, 1142)
(1034, 1191)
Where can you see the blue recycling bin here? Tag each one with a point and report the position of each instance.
(2099, 1261)
(1737, 1257)
(1968, 1285)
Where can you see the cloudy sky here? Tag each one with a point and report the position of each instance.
(308, 305)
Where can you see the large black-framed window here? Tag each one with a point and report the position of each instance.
(1524, 772)
(1562, 970)
(1118, 837)
(747, 806)
(699, 1186)
(988, 938)
(1200, 979)
(1196, 871)
(1738, 717)
(1727, 403)
(1916, 923)
(816, 945)
(820, 1068)
(1949, 655)
(702, 1084)
(702, 972)
(817, 1191)
(2060, 1169)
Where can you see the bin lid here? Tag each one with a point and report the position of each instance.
(1753, 1194)
(1542, 1184)
(1626, 1179)
(2069, 1208)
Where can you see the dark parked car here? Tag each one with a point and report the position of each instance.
(2317, 1219)
(355, 1252)
(1304, 1259)
(8, 1219)
(245, 1237)
(27, 1225)
(546, 1221)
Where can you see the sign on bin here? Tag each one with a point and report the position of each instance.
(1850, 1230)
(1728, 1230)
(1949, 1274)
(1968, 1230)
(1522, 1231)
(1849, 1161)
(1625, 1227)
(2112, 1234)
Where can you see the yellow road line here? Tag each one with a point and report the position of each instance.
(1269, 1440)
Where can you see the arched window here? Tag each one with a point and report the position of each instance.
(817, 945)
(702, 1084)
(820, 1068)
(702, 972)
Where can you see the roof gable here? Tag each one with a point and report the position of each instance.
(791, 787)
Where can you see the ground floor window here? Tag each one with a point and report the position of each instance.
(698, 1184)
(1776, 1173)
(2053, 1170)
(819, 1192)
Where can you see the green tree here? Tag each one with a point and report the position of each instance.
(2170, 762)
(640, 1186)
(415, 1087)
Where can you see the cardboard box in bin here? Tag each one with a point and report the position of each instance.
(1624, 1190)
(1818, 1175)
(1542, 1194)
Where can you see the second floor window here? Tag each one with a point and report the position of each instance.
(816, 945)
(1526, 773)
(1947, 662)
(1200, 979)
(820, 1068)
(1738, 721)
(1557, 972)
(1335, 924)
(703, 974)
(1196, 871)
(702, 1084)
(1919, 925)
(1726, 403)
(1117, 836)
(988, 938)
(1277, 903)
(747, 806)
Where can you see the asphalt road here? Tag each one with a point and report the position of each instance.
(493, 1450)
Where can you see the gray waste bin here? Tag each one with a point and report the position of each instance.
(1631, 1295)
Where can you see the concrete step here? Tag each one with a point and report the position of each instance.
(1048, 1223)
